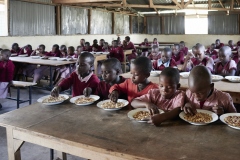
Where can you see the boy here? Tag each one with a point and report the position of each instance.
(136, 86)
(82, 42)
(87, 47)
(226, 66)
(167, 97)
(202, 94)
(177, 55)
(156, 54)
(183, 48)
(15, 48)
(82, 78)
(127, 45)
(199, 59)
(111, 70)
(55, 52)
(218, 44)
(155, 42)
(211, 52)
(145, 50)
(165, 61)
(231, 45)
(116, 52)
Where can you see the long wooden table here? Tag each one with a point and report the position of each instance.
(232, 88)
(93, 133)
(45, 62)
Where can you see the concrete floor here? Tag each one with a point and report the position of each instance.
(28, 151)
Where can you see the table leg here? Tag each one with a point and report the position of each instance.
(51, 78)
(14, 145)
(30, 94)
(61, 155)
(18, 97)
(70, 70)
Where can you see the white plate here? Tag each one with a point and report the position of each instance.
(184, 75)
(35, 57)
(99, 104)
(235, 79)
(133, 112)
(13, 54)
(216, 78)
(22, 55)
(54, 103)
(95, 97)
(53, 58)
(155, 73)
(222, 117)
(214, 117)
(62, 59)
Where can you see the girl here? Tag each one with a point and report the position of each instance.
(82, 42)
(95, 46)
(155, 42)
(166, 97)
(116, 52)
(6, 72)
(225, 66)
(145, 50)
(55, 52)
(105, 48)
(15, 49)
(127, 45)
(211, 52)
(79, 51)
(177, 55)
(183, 48)
(156, 54)
(87, 47)
(63, 50)
(119, 42)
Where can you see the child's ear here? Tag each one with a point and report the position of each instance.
(178, 85)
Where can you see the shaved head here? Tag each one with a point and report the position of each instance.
(199, 75)
(226, 50)
(200, 47)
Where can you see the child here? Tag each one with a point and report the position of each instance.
(138, 85)
(79, 51)
(166, 97)
(116, 52)
(156, 54)
(127, 45)
(41, 51)
(211, 52)
(82, 78)
(28, 49)
(6, 72)
(101, 44)
(165, 61)
(119, 41)
(238, 69)
(231, 45)
(155, 42)
(177, 55)
(87, 47)
(236, 56)
(144, 43)
(15, 49)
(183, 48)
(63, 50)
(145, 50)
(226, 66)
(202, 94)
(95, 46)
(105, 47)
(218, 44)
(82, 42)
(55, 52)
(111, 70)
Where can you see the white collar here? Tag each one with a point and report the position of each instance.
(165, 64)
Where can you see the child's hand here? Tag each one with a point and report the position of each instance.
(87, 91)
(114, 96)
(153, 109)
(156, 119)
(188, 109)
(218, 110)
(55, 91)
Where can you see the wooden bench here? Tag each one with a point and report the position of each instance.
(21, 84)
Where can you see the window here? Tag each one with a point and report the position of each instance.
(196, 24)
(3, 21)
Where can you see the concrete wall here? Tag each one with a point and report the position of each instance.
(6, 42)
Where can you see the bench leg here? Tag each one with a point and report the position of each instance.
(18, 97)
(51, 154)
(30, 94)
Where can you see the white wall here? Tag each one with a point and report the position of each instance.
(6, 42)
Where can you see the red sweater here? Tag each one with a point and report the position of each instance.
(6, 71)
(161, 67)
(220, 46)
(78, 86)
(131, 89)
(54, 54)
(179, 59)
(117, 53)
(103, 89)
(19, 50)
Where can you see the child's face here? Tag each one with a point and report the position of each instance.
(101, 43)
(175, 50)
(154, 40)
(212, 47)
(166, 56)
(70, 51)
(80, 49)
(40, 49)
(199, 54)
(15, 47)
(108, 73)
(145, 40)
(167, 86)
(5, 57)
(155, 50)
(223, 57)
(82, 42)
(230, 43)
(95, 42)
(54, 49)
(63, 49)
(83, 65)
(181, 45)
(137, 75)
(201, 92)
(194, 51)
(217, 43)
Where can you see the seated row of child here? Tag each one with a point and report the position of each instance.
(143, 93)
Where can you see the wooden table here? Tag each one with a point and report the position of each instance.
(93, 133)
(46, 62)
(232, 88)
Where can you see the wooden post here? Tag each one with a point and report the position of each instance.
(58, 15)
(238, 23)
(6, 3)
(145, 25)
(162, 24)
(89, 20)
(130, 24)
(113, 21)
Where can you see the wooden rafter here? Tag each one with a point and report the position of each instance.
(190, 1)
(81, 1)
(209, 4)
(182, 3)
(179, 5)
(221, 3)
(151, 5)
(238, 1)
(124, 2)
(231, 5)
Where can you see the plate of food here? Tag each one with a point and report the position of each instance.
(83, 101)
(141, 114)
(184, 75)
(22, 55)
(53, 58)
(50, 100)
(155, 73)
(62, 59)
(216, 78)
(235, 79)
(35, 57)
(13, 54)
(231, 119)
(109, 105)
(202, 117)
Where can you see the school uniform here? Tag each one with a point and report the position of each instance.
(154, 96)
(78, 84)
(220, 46)
(54, 54)
(235, 58)
(155, 56)
(17, 51)
(130, 45)
(207, 62)
(213, 54)
(184, 50)
(28, 51)
(103, 88)
(131, 89)
(231, 65)
(217, 98)
(233, 48)
(6, 76)
(145, 44)
(155, 44)
(89, 49)
(117, 52)
(179, 58)
(159, 65)
(238, 69)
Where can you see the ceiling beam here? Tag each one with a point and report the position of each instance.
(238, 2)
(182, 3)
(231, 5)
(124, 2)
(209, 4)
(221, 3)
(175, 1)
(151, 5)
(82, 1)
(190, 1)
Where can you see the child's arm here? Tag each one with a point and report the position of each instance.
(87, 91)
(117, 89)
(153, 109)
(121, 55)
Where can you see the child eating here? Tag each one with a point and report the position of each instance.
(80, 79)
(202, 94)
(111, 70)
(136, 86)
(165, 61)
(226, 66)
(183, 48)
(116, 52)
(155, 55)
(211, 52)
(166, 97)
(177, 55)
